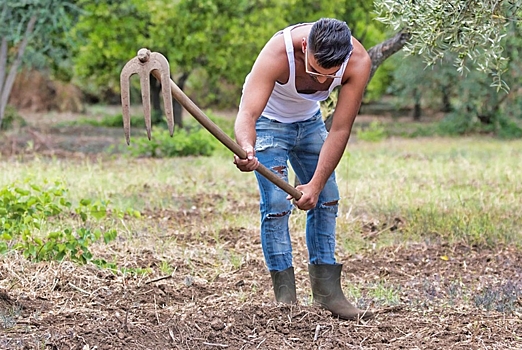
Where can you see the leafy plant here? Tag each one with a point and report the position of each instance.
(386, 294)
(502, 298)
(26, 209)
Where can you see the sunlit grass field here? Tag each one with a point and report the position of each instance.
(393, 192)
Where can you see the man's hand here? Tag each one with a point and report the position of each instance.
(309, 198)
(251, 162)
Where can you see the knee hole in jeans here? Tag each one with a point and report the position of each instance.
(331, 206)
(280, 169)
(278, 215)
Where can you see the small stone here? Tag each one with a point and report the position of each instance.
(217, 324)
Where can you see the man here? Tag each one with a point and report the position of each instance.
(279, 120)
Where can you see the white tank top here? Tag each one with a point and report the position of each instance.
(285, 104)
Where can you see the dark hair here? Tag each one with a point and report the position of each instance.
(330, 41)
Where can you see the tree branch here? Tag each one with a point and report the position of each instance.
(3, 62)
(380, 52)
(6, 90)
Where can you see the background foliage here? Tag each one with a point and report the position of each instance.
(212, 44)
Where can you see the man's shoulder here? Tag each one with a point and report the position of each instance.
(276, 45)
(359, 52)
(275, 53)
(359, 62)
(272, 62)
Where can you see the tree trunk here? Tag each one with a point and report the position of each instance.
(417, 110)
(446, 103)
(157, 112)
(5, 89)
(178, 119)
(3, 62)
(155, 96)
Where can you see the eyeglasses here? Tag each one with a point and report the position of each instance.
(315, 74)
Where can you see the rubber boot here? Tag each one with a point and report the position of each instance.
(284, 285)
(327, 292)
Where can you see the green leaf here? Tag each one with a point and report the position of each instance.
(22, 191)
(7, 237)
(109, 236)
(99, 213)
(85, 202)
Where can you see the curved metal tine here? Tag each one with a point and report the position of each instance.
(145, 96)
(160, 63)
(132, 67)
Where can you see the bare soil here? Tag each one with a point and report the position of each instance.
(433, 296)
(469, 302)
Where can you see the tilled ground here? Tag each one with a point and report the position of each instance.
(458, 299)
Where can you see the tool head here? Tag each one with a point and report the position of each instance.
(145, 63)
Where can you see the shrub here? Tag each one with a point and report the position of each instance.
(375, 132)
(196, 142)
(12, 119)
(454, 124)
(460, 124)
(508, 129)
(109, 121)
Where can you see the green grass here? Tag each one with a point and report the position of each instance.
(385, 294)
(392, 192)
(443, 189)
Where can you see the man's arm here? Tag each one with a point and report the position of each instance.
(268, 68)
(350, 96)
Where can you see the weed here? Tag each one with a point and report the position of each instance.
(442, 190)
(236, 260)
(455, 291)
(430, 289)
(165, 268)
(502, 298)
(353, 292)
(110, 121)
(385, 294)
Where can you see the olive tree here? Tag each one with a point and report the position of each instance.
(480, 39)
(471, 30)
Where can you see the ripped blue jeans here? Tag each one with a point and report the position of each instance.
(300, 143)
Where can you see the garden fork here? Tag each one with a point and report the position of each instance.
(146, 63)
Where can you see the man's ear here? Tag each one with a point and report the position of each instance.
(303, 45)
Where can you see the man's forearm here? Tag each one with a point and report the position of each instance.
(245, 131)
